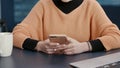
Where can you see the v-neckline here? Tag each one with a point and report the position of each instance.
(72, 12)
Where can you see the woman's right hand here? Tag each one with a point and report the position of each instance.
(46, 46)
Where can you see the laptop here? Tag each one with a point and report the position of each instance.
(106, 61)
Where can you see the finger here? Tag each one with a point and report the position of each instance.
(59, 52)
(54, 50)
(69, 50)
(47, 40)
(69, 46)
(53, 45)
(61, 47)
(69, 39)
(50, 50)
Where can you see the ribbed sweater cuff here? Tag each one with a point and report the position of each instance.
(30, 44)
(97, 45)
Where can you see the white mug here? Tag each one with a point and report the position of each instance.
(6, 44)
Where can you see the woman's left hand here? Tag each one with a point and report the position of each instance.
(74, 47)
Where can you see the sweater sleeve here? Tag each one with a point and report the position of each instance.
(96, 45)
(103, 29)
(29, 26)
(30, 44)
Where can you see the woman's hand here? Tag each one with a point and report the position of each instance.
(74, 47)
(47, 47)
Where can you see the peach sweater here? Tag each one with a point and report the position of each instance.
(87, 22)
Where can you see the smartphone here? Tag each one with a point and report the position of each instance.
(61, 39)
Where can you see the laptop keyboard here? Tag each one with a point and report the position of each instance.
(111, 65)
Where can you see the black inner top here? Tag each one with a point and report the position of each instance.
(69, 6)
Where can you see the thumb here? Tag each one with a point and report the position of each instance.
(72, 40)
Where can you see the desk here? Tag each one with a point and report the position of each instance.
(31, 59)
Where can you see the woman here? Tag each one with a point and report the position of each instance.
(83, 22)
